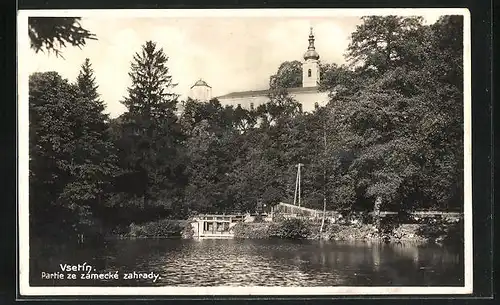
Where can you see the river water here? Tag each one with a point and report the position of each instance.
(177, 262)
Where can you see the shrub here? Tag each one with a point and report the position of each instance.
(432, 227)
(388, 224)
(334, 229)
(278, 217)
(366, 218)
(293, 228)
(136, 230)
(455, 234)
(187, 232)
(287, 229)
(160, 228)
(350, 232)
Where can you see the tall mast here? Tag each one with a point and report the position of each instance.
(299, 183)
(324, 176)
(297, 186)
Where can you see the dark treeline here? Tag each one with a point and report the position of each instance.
(392, 133)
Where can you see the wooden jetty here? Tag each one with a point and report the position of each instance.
(215, 226)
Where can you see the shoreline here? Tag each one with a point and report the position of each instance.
(298, 229)
(400, 233)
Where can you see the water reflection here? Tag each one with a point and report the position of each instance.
(257, 263)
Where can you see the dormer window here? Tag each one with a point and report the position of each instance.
(309, 73)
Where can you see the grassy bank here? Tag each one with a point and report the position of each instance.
(287, 229)
(434, 230)
(439, 232)
(164, 228)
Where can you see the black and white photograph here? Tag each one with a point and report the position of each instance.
(244, 152)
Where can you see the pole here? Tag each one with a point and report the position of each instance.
(324, 212)
(296, 188)
(324, 178)
(299, 178)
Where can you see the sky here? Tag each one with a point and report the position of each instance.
(229, 53)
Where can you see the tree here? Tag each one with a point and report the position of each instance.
(243, 119)
(280, 105)
(87, 84)
(382, 42)
(441, 129)
(150, 94)
(208, 162)
(218, 117)
(338, 79)
(289, 75)
(212, 132)
(49, 95)
(150, 132)
(53, 33)
(399, 118)
(97, 126)
(71, 159)
(256, 171)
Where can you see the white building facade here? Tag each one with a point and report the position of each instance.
(309, 98)
(308, 95)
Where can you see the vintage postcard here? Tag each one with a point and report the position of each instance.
(244, 152)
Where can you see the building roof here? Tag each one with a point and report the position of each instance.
(200, 83)
(311, 50)
(311, 54)
(255, 93)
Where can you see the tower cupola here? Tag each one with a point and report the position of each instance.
(201, 91)
(311, 50)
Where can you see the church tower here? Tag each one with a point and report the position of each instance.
(310, 66)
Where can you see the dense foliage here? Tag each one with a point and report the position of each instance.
(72, 157)
(391, 133)
(289, 75)
(54, 33)
(156, 229)
(293, 228)
(285, 229)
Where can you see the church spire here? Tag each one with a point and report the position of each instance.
(311, 40)
(311, 50)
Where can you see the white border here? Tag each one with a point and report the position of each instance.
(23, 158)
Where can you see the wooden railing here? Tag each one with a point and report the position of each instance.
(296, 209)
